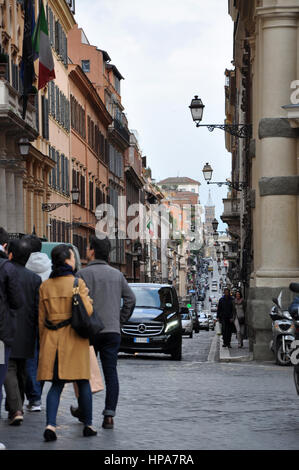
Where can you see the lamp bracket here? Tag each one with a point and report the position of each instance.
(52, 206)
(243, 131)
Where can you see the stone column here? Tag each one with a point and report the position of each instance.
(19, 201)
(276, 222)
(3, 202)
(11, 202)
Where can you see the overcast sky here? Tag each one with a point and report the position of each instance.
(168, 51)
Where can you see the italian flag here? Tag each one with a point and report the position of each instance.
(149, 226)
(42, 48)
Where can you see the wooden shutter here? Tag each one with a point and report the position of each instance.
(37, 112)
(66, 170)
(58, 183)
(51, 27)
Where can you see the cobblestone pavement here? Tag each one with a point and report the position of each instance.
(192, 404)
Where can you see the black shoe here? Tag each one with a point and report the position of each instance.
(108, 422)
(50, 435)
(88, 431)
(77, 413)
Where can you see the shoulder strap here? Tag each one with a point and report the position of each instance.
(76, 282)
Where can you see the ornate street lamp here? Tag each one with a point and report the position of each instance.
(208, 172)
(242, 131)
(52, 206)
(24, 145)
(215, 224)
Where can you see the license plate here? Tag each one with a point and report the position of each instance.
(141, 340)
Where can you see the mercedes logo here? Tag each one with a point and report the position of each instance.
(141, 328)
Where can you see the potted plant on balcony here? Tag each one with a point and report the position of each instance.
(3, 65)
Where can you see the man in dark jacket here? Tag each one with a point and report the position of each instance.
(107, 287)
(10, 299)
(26, 327)
(225, 314)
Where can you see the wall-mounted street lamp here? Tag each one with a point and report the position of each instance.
(208, 172)
(24, 146)
(242, 131)
(52, 206)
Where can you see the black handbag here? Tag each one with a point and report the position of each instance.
(85, 326)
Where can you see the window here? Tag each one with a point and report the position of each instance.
(85, 66)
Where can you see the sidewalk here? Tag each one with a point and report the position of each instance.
(235, 354)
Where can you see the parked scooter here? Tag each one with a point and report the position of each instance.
(283, 330)
(294, 312)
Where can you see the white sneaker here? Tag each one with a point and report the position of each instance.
(2, 446)
(34, 407)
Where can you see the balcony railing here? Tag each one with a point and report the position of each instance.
(122, 130)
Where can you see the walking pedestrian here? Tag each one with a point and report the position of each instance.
(64, 355)
(239, 318)
(40, 264)
(10, 300)
(107, 287)
(25, 335)
(225, 314)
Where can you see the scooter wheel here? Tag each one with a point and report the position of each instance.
(283, 359)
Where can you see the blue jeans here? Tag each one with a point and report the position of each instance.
(3, 371)
(108, 346)
(33, 388)
(84, 400)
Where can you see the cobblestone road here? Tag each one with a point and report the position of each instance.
(192, 404)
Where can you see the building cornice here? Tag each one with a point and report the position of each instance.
(62, 11)
(86, 87)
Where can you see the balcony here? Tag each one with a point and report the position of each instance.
(231, 214)
(11, 107)
(119, 134)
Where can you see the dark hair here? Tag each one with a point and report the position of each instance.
(239, 292)
(4, 237)
(59, 254)
(36, 244)
(20, 249)
(101, 247)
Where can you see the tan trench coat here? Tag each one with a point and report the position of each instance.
(55, 304)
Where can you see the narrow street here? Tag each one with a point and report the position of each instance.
(192, 404)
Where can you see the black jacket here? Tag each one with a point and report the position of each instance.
(10, 298)
(226, 309)
(26, 314)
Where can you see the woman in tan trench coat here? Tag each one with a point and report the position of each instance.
(64, 355)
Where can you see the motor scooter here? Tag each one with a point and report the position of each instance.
(283, 331)
(294, 312)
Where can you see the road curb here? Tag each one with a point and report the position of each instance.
(225, 355)
(213, 350)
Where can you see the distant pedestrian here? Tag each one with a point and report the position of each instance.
(64, 355)
(24, 340)
(239, 319)
(225, 314)
(41, 265)
(10, 300)
(107, 287)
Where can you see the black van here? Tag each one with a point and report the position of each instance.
(155, 325)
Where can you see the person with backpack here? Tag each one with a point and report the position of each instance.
(41, 265)
(10, 300)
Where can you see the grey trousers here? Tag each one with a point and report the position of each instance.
(14, 385)
(240, 331)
